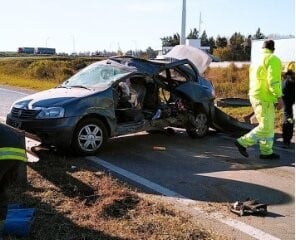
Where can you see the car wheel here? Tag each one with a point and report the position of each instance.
(198, 125)
(89, 136)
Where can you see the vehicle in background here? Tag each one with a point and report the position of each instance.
(39, 50)
(48, 51)
(26, 50)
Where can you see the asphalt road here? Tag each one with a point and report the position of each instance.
(208, 171)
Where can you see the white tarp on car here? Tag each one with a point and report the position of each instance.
(198, 57)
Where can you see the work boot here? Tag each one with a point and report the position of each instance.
(270, 156)
(241, 149)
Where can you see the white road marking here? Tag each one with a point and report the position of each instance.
(13, 91)
(252, 231)
(29, 144)
(32, 158)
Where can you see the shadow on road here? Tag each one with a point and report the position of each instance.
(194, 168)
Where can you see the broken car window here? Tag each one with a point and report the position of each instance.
(96, 75)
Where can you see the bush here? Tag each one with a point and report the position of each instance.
(52, 70)
(42, 69)
(231, 81)
(78, 64)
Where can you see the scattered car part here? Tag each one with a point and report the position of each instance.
(249, 207)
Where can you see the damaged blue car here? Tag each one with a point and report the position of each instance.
(117, 96)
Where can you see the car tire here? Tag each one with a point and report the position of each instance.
(89, 137)
(198, 125)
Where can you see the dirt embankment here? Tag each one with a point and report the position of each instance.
(76, 201)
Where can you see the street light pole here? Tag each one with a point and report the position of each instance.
(183, 26)
(135, 50)
(46, 41)
(73, 43)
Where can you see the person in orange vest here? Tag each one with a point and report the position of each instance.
(12, 154)
(288, 100)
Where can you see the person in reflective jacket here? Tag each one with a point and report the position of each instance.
(12, 154)
(265, 91)
(289, 101)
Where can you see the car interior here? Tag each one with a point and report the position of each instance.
(130, 96)
(138, 97)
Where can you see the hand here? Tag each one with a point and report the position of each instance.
(279, 104)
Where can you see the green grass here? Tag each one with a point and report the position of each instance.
(28, 83)
(39, 73)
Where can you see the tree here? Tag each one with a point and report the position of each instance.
(212, 44)
(170, 41)
(221, 42)
(236, 44)
(236, 39)
(204, 39)
(194, 34)
(151, 53)
(259, 34)
(247, 48)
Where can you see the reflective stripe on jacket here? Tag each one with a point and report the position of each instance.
(265, 78)
(12, 144)
(11, 153)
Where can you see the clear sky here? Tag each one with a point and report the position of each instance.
(89, 25)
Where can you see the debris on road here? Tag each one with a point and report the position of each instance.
(159, 148)
(249, 207)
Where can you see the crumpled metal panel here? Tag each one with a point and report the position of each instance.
(198, 57)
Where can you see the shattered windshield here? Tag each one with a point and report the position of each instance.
(96, 75)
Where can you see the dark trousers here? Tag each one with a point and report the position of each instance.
(288, 124)
(8, 173)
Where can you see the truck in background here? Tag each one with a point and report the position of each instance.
(43, 50)
(26, 50)
(38, 50)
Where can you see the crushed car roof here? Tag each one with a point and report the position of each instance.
(199, 58)
(150, 66)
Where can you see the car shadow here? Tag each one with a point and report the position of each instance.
(196, 168)
(50, 166)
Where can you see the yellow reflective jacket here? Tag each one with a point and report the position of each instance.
(265, 78)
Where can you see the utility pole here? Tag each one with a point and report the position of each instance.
(183, 26)
(73, 43)
(46, 41)
(199, 25)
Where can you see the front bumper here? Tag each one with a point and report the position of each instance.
(57, 132)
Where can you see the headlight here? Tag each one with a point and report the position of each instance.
(51, 112)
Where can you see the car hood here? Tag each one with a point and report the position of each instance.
(199, 58)
(55, 97)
